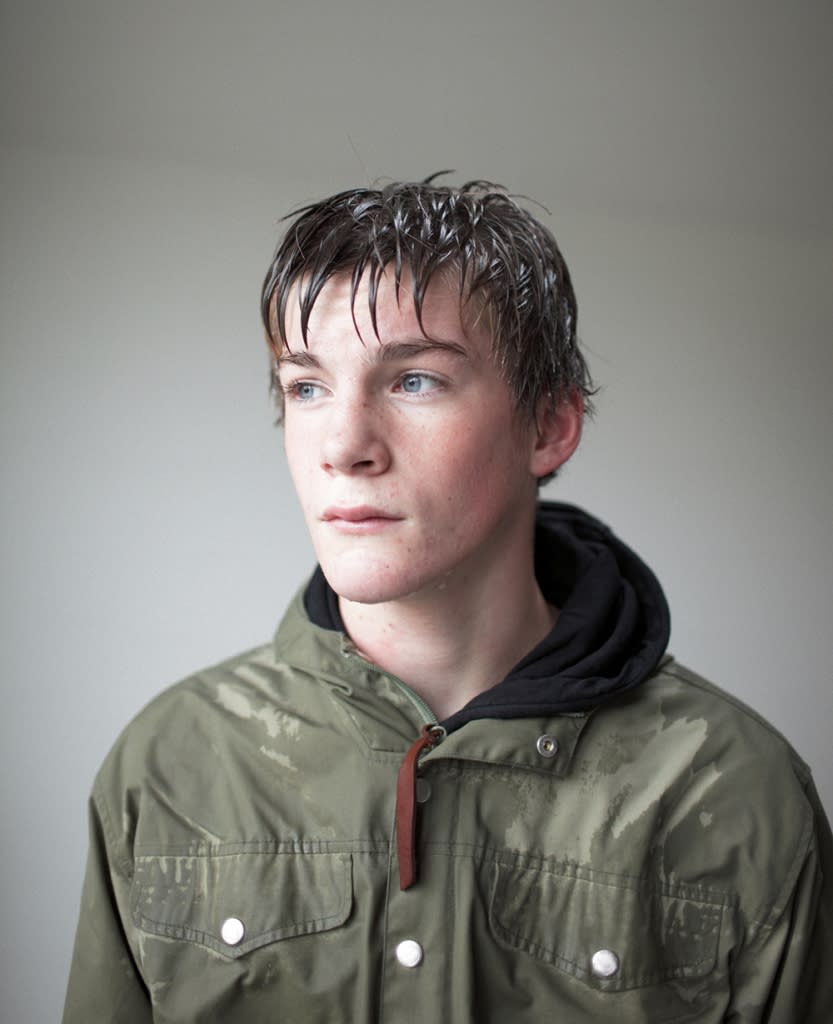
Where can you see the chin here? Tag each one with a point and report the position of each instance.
(366, 585)
(364, 591)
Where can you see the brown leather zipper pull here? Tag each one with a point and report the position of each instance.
(406, 804)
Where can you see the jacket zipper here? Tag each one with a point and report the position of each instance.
(405, 818)
(424, 711)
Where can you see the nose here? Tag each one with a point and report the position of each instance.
(355, 440)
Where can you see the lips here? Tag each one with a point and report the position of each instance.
(358, 520)
(356, 514)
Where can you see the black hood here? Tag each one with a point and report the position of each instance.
(612, 629)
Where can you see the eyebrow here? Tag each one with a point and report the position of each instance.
(303, 359)
(391, 352)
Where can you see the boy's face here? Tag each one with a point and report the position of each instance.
(414, 470)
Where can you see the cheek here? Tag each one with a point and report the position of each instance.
(455, 461)
(480, 451)
(298, 451)
(289, 446)
(477, 473)
(306, 493)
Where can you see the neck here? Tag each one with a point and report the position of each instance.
(458, 641)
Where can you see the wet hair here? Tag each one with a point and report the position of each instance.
(476, 234)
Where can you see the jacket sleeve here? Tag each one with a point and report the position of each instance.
(785, 974)
(105, 986)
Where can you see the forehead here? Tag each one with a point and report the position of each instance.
(391, 314)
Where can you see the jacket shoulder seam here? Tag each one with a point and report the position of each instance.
(689, 678)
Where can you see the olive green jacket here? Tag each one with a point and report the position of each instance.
(661, 858)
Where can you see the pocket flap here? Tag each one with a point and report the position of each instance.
(236, 902)
(612, 932)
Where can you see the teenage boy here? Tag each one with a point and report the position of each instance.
(465, 782)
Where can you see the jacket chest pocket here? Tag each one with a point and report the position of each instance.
(611, 933)
(234, 903)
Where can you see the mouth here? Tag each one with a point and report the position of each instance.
(354, 513)
(358, 518)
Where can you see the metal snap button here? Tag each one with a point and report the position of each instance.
(547, 745)
(605, 963)
(409, 953)
(232, 931)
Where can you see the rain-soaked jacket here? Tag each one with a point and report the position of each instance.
(603, 836)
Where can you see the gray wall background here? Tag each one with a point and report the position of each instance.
(685, 153)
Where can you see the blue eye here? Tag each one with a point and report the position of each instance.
(417, 383)
(302, 391)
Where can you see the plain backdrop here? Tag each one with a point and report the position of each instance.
(683, 152)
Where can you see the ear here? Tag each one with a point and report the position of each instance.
(558, 432)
